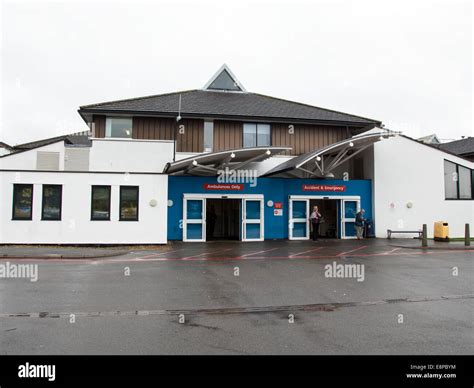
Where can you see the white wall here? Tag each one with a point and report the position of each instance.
(130, 155)
(121, 155)
(26, 160)
(406, 171)
(76, 226)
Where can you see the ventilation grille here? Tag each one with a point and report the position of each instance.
(47, 160)
(76, 159)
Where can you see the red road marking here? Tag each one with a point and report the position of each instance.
(159, 254)
(352, 250)
(310, 250)
(254, 253)
(389, 252)
(197, 258)
(205, 253)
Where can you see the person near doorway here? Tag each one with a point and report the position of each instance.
(315, 219)
(359, 224)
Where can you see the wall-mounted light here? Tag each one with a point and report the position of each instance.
(409, 204)
(270, 203)
(170, 202)
(153, 203)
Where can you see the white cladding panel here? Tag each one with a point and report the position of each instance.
(76, 159)
(47, 160)
(130, 155)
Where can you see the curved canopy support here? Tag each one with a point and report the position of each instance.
(210, 164)
(322, 162)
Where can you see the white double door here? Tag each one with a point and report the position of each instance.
(299, 213)
(194, 218)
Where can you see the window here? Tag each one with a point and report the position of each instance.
(208, 136)
(100, 206)
(450, 180)
(465, 191)
(256, 135)
(22, 202)
(118, 127)
(51, 204)
(458, 181)
(128, 203)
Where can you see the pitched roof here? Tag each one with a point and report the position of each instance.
(218, 104)
(72, 139)
(79, 138)
(459, 147)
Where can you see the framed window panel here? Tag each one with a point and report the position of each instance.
(128, 203)
(263, 135)
(100, 203)
(208, 136)
(120, 127)
(250, 135)
(465, 184)
(22, 202)
(51, 203)
(450, 180)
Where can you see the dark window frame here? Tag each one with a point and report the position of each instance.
(137, 188)
(30, 218)
(256, 135)
(458, 192)
(60, 203)
(109, 188)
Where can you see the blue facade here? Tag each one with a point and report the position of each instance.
(274, 189)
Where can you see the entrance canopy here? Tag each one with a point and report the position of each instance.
(320, 163)
(211, 163)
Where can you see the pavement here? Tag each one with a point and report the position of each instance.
(271, 297)
(28, 251)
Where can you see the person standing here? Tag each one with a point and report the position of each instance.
(359, 224)
(315, 219)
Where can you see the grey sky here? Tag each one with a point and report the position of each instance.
(408, 64)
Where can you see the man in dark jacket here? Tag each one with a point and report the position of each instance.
(359, 224)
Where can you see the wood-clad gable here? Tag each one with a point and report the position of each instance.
(228, 134)
(305, 138)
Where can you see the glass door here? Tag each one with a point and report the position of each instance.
(194, 220)
(350, 207)
(298, 225)
(252, 220)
